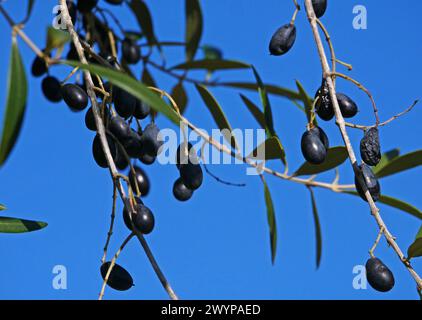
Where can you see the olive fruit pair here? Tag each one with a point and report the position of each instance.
(75, 97)
(85, 6)
(367, 178)
(324, 107)
(143, 220)
(370, 149)
(315, 145)
(319, 7)
(139, 179)
(189, 168)
(131, 51)
(283, 39)
(378, 275)
(118, 279)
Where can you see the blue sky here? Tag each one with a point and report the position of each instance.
(216, 245)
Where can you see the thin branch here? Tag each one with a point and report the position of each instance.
(110, 231)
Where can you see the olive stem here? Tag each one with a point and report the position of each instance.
(377, 240)
(341, 124)
(113, 215)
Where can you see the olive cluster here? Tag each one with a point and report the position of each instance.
(315, 142)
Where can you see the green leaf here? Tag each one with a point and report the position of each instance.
(385, 159)
(415, 249)
(271, 89)
(2, 207)
(17, 93)
(254, 110)
(335, 157)
(270, 148)
(132, 86)
(307, 101)
(217, 113)
(144, 18)
(180, 96)
(212, 53)
(211, 65)
(272, 224)
(395, 203)
(268, 114)
(401, 163)
(194, 25)
(56, 38)
(14, 225)
(318, 233)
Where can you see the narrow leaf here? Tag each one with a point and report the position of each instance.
(268, 115)
(254, 110)
(415, 249)
(318, 233)
(270, 149)
(401, 163)
(17, 92)
(272, 224)
(307, 101)
(14, 225)
(271, 89)
(194, 25)
(385, 159)
(56, 38)
(180, 96)
(217, 113)
(211, 65)
(335, 157)
(132, 86)
(144, 18)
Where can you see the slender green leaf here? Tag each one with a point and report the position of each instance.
(395, 203)
(132, 86)
(17, 92)
(415, 249)
(318, 233)
(307, 101)
(271, 89)
(14, 225)
(335, 157)
(194, 26)
(401, 163)
(180, 96)
(217, 113)
(270, 149)
(268, 114)
(211, 65)
(272, 224)
(144, 18)
(254, 110)
(385, 159)
(56, 38)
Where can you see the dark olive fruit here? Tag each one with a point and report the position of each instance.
(133, 145)
(121, 160)
(184, 155)
(323, 106)
(142, 110)
(119, 279)
(143, 220)
(131, 51)
(347, 106)
(322, 136)
(140, 178)
(126, 217)
(74, 96)
(98, 153)
(147, 159)
(370, 149)
(90, 120)
(283, 39)
(39, 67)
(72, 53)
(192, 175)
(378, 275)
(119, 128)
(124, 102)
(180, 191)
(319, 7)
(51, 89)
(114, 2)
(368, 177)
(313, 148)
(150, 140)
(85, 6)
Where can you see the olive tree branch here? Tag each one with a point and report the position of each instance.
(341, 124)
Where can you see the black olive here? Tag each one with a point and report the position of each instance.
(283, 39)
(379, 276)
(370, 149)
(370, 180)
(119, 279)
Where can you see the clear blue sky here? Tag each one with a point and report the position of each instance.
(217, 246)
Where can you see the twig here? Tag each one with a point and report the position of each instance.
(341, 124)
(110, 231)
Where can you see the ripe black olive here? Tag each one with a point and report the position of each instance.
(185, 155)
(151, 140)
(133, 144)
(119, 279)
(379, 276)
(124, 102)
(147, 159)
(39, 67)
(180, 191)
(323, 106)
(119, 128)
(319, 7)
(74, 96)
(121, 161)
(98, 153)
(368, 177)
(131, 51)
(85, 6)
(347, 106)
(192, 175)
(314, 146)
(283, 39)
(90, 120)
(143, 220)
(51, 89)
(370, 149)
(141, 179)
(142, 110)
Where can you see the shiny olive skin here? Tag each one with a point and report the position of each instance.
(133, 144)
(347, 106)
(121, 161)
(180, 191)
(124, 102)
(119, 128)
(150, 140)
(378, 275)
(143, 220)
(313, 148)
(98, 152)
(51, 89)
(131, 51)
(75, 97)
(119, 279)
(282, 40)
(370, 181)
(370, 149)
(141, 179)
(192, 175)
(39, 67)
(324, 107)
(142, 110)
(320, 6)
(147, 159)
(90, 120)
(185, 155)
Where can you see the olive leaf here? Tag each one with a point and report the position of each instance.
(147, 78)
(211, 65)
(180, 96)
(17, 92)
(272, 224)
(335, 157)
(144, 18)
(56, 38)
(415, 249)
(254, 110)
(307, 101)
(194, 26)
(2, 207)
(270, 149)
(28, 11)
(132, 86)
(318, 233)
(15, 225)
(385, 159)
(401, 163)
(217, 113)
(271, 89)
